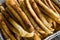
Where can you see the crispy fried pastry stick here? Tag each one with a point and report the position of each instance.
(11, 27)
(3, 32)
(17, 37)
(58, 27)
(21, 13)
(22, 32)
(56, 7)
(45, 2)
(52, 7)
(5, 35)
(30, 18)
(36, 37)
(49, 19)
(25, 39)
(36, 18)
(5, 28)
(56, 2)
(13, 12)
(52, 14)
(10, 13)
(38, 12)
(39, 34)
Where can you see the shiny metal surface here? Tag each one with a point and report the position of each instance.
(1, 38)
(1, 1)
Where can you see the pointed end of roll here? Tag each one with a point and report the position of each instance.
(58, 21)
(11, 2)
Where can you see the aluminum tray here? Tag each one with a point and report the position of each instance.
(1, 38)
